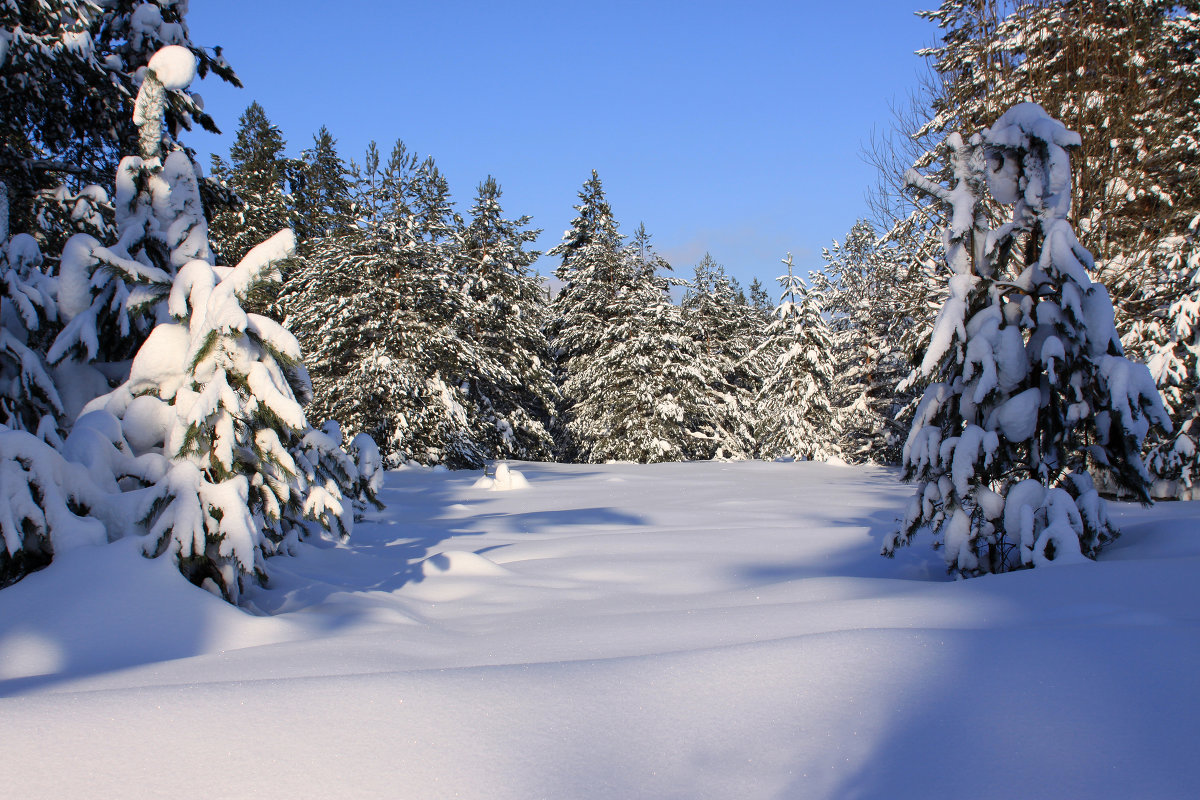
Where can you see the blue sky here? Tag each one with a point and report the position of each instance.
(733, 129)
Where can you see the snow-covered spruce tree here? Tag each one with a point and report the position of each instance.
(760, 300)
(343, 302)
(69, 73)
(1030, 387)
(512, 387)
(258, 173)
(726, 330)
(417, 231)
(110, 296)
(645, 394)
(29, 397)
(1124, 74)
(214, 395)
(56, 498)
(795, 416)
(869, 290)
(381, 306)
(592, 271)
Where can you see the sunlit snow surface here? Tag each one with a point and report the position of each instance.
(674, 631)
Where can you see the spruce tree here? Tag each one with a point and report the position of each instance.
(322, 196)
(196, 448)
(512, 386)
(592, 272)
(795, 414)
(1030, 387)
(1123, 74)
(29, 395)
(645, 394)
(383, 306)
(726, 331)
(870, 292)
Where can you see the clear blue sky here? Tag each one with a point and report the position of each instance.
(731, 128)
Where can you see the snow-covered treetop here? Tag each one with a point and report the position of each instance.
(1037, 185)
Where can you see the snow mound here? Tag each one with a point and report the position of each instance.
(506, 480)
(460, 564)
(174, 66)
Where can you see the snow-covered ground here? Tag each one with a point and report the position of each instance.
(674, 631)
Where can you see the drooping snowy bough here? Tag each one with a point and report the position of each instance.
(1030, 393)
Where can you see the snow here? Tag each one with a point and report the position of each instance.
(1017, 417)
(505, 480)
(694, 630)
(174, 65)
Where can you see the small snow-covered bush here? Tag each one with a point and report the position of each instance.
(1029, 388)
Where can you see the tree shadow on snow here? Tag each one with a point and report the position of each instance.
(387, 550)
(858, 556)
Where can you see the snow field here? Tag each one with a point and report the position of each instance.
(696, 630)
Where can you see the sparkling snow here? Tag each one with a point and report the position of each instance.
(696, 630)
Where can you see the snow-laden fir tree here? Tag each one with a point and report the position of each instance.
(870, 291)
(1124, 74)
(645, 393)
(29, 397)
(592, 271)
(258, 173)
(1029, 386)
(209, 418)
(795, 416)
(726, 330)
(512, 386)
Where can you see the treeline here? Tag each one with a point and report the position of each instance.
(429, 329)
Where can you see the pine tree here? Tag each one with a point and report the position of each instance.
(258, 174)
(1176, 370)
(1030, 385)
(795, 416)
